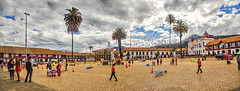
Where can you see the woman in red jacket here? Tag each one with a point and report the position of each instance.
(199, 65)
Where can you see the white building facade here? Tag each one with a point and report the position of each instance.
(197, 46)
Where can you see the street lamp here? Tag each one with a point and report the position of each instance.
(27, 14)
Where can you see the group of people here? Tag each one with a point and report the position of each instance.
(173, 60)
(16, 66)
(51, 71)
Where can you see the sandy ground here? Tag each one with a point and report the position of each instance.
(217, 75)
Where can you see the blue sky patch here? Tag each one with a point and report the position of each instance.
(150, 35)
(77, 33)
(35, 30)
(97, 33)
(229, 9)
(220, 16)
(1, 25)
(21, 19)
(10, 17)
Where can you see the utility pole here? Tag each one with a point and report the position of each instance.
(27, 14)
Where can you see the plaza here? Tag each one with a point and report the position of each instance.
(217, 75)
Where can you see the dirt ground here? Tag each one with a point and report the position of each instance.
(217, 75)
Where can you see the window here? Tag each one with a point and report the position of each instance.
(139, 53)
(143, 53)
(203, 51)
(151, 53)
(1, 55)
(36, 55)
(203, 44)
(10, 55)
(132, 53)
(127, 52)
(147, 53)
(136, 53)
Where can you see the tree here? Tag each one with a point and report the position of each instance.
(157, 54)
(180, 28)
(73, 20)
(119, 34)
(90, 48)
(170, 19)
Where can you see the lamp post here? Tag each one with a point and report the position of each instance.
(27, 14)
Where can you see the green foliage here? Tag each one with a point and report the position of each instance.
(73, 20)
(157, 53)
(119, 33)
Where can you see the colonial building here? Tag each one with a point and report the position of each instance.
(230, 45)
(146, 53)
(197, 46)
(104, 54)
(40, 54)
(184, 52)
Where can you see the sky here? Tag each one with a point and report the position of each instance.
(144, 18)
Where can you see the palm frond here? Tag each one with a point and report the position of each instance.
(119, 33)
(73, 20)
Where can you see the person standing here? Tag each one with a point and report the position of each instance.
(161, 61)
(176, 60)
(2, 65)
(238, 61)
(172, 61)
(132, 61)
(49, 68)
(66, 66)
(199, 65)
(29, 69)
(157, 61)
(59, 69)
(18, 68)
(113, 72)
(11, 69)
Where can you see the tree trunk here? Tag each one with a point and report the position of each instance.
(72, 46)
(170, 37)
(120, 49)
(181, 44)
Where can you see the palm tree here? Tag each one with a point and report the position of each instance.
(73, 20)
(170, 19)
(119, 34)
(90, 47)
(157, 54)
(180, 28)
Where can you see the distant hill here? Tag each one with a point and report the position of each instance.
(185, 42)
(195, 36)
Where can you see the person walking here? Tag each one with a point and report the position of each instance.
(157, 61)
(176, 60)
(11, 69)
(29, 69)
(113, 72)
(199, 65)
(172, 61)
(18, 68)
(49, 68)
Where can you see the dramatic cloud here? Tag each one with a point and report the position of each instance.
(146, 18)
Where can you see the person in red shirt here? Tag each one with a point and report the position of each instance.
(160, 61)
(199, 65)
(113, 72)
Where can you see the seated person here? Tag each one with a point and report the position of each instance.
(153, 63)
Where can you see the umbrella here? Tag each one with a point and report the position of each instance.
(238, 52)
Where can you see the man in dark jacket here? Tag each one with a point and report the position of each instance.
(29, 69)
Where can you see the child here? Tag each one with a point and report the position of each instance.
(199, 65)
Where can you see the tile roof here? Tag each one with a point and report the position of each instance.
(224, 40)
(21, 50)
(183, 49)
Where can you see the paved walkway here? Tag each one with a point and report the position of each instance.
(12, 85)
